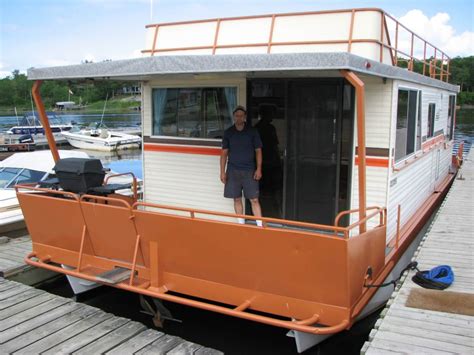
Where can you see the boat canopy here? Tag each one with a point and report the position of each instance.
(31, 118)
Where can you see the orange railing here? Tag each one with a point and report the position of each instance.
(434, 62)
(194, 213)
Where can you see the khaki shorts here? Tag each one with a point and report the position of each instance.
(238, 180)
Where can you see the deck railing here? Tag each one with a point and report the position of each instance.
(408, 50)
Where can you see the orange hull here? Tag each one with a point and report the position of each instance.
(300, 274)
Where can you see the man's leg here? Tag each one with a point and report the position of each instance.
(238, 207)
(256, 209)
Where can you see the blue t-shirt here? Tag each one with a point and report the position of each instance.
(241, 146)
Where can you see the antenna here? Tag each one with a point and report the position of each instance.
(17, 119)
(32, 111)
(103, 111)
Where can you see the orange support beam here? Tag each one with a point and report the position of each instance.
(360, 95)
(44, 119)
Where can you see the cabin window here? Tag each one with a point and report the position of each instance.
(407, 117)
(193, 112)
(418, 124)
(431, 119)
(451, 112)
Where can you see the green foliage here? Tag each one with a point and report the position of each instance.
(462, 72)
(466, 98)
(15, 91)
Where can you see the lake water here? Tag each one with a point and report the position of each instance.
(111, 120)
(120, 162)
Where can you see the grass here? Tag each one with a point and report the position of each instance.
(116, 105)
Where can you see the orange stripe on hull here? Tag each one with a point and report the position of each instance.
(376, 162)
(182, 149)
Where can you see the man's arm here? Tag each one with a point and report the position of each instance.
(224, 154)
(258, 158)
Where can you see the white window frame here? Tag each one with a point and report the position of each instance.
(418, 113)
(189, 86)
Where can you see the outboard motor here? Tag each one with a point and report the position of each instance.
(79, 175)
(27, 138)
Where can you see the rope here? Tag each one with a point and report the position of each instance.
(411, 266)
(438, 278)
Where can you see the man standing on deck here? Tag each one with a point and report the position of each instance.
(242, 153)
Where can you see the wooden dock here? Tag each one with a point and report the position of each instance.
(12, 265)
(449, 241)
(33, 321)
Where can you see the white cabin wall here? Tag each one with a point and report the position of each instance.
(378, 107)
(184, 179)
(412, 184)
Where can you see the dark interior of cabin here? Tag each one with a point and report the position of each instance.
(306, 126)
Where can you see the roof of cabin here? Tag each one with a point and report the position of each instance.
(142, 69)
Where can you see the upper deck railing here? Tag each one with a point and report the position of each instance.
(368, 32)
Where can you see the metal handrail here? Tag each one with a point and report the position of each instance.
(378, 211)
(134, 182)
(84, 198)
(265, 220)
(50, 191)
(303, 325)
(395, 50)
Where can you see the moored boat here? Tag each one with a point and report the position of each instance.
(21, 168)
(363, 156)
(30, 124)
(98, 137)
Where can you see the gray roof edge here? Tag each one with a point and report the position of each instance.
(137, 69)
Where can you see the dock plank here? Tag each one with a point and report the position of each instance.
(34, 322)
(81, 340)
(114, 338)
(185, 348)
(136, 343)
(65, 334)
(160, 346)
(46, 329)
(24, 306)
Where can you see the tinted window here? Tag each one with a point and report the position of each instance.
(431, 119)
(407, 126)
(193, 112)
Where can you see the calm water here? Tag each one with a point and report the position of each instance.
(111, 120)
(120, 162)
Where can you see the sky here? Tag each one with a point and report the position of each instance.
(44, 33)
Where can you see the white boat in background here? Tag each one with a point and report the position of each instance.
(98, 137)
(23, 168)
(30, 124)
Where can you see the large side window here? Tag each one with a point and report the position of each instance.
(407, 116)
(431, 119)
(451, 113)
(193, 112)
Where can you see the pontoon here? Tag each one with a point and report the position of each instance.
(364, 114)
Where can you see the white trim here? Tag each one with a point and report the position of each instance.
(415, 151)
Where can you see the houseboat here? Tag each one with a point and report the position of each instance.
(364, 116)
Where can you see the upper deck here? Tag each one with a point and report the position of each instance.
(367, 32)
